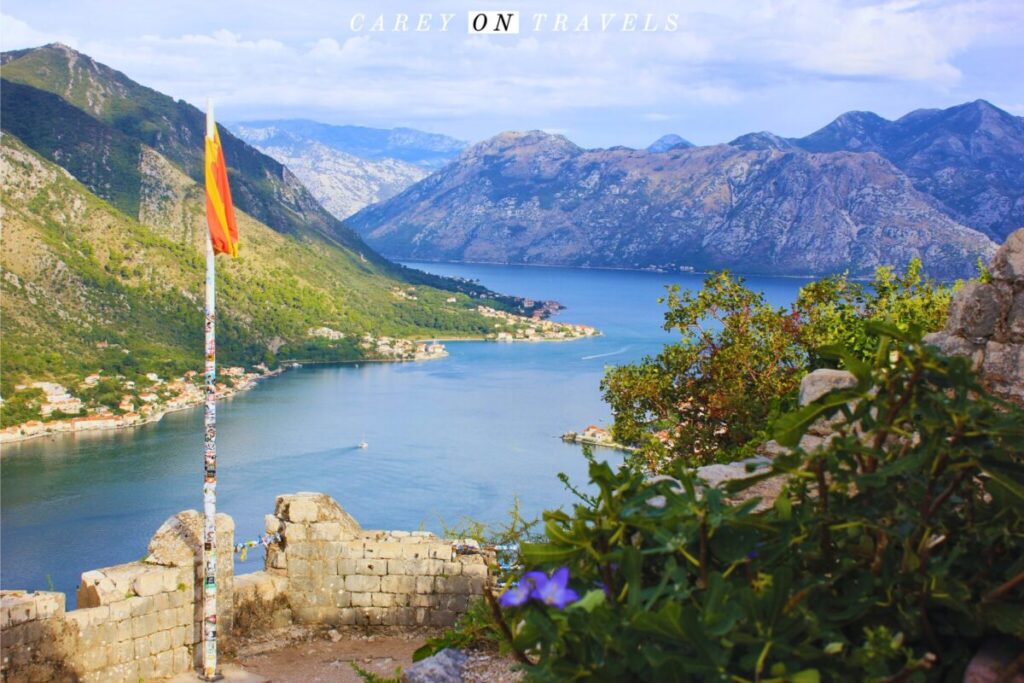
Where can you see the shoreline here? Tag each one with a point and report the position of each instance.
(70, 426)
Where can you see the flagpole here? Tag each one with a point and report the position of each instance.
(209, 630)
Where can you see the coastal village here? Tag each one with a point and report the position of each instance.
(62, 410)
(509, 327)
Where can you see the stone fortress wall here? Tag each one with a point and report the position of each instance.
(141, 620)
(986, 322)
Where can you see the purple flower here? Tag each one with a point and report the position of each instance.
(555, 591)
(516, 595)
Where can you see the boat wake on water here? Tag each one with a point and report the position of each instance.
(605, 355)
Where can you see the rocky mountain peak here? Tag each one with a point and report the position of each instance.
(762, 140)
(667, 142)
(524, 142)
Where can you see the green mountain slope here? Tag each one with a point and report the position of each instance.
(86, 287)
(261, 186)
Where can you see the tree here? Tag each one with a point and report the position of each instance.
(710, 394)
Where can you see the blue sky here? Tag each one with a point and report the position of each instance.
(731, 66)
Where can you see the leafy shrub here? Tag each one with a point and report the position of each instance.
(708, 397)
(889, 555)
(835, 311)
(712, 392)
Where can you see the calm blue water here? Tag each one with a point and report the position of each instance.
(449, 439)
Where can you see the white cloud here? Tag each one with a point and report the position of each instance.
(16, 34)
(728, 62)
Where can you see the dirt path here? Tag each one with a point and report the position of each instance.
(298, 656)
(323, 660)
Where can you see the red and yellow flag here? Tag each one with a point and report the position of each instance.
(220, 214)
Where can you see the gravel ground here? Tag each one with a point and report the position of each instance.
(317, 656)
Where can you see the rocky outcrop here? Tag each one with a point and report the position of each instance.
(536, 198)
(986, 323)
(444, 667)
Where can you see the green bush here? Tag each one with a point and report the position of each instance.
(835, 311)
(888, 556)
(708, 396)
(710, 393)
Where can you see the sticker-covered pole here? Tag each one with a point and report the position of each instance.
(209, 630)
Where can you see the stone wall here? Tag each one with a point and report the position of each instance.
(340, 574)
(986, 322)
(141, 620)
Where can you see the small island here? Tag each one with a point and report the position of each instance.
(593, 435)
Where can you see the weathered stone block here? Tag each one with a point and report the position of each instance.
(124, 629)
(976, 310)
(182, 662)
(141, 647)
(477, 569)
(164, 666)
(382, 599)
(148, 582)
(398, 584)
(271, 524)
(816, 384)
(424, 584)
(178, 542)
(402, 566)
(314, 507)
(1008, 262)
(456, 603)
(1003, 369)
(346, 566)
(325, 531)
(372, 567)
(417, 550)
(453, 568)
(161, 641)
(298, 567)
(424, 600)
(179, 636)
(294, 533)
(388, 551)
(141, 605)
(166, 619)
(441, 617)
(124, 652)
(361, 599)
(1015, 319)
(439, 551)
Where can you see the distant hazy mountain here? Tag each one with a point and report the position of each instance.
(429, 150)
(763, 207)
(349, 167)
(344, 183)
(970, 158)
(667, 142)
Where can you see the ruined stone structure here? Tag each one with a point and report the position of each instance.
(986, 322)
(141, 620)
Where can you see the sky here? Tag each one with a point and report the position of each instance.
(708, 70)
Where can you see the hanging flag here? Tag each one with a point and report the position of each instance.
(220, 214)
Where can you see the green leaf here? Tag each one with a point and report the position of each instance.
(544, 553)
(589, 602)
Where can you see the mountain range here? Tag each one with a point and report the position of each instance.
(349, 167)
(104, 231)
(943, 185)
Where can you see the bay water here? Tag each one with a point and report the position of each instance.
(449, 440)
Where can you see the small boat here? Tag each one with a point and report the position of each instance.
(363, 444)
